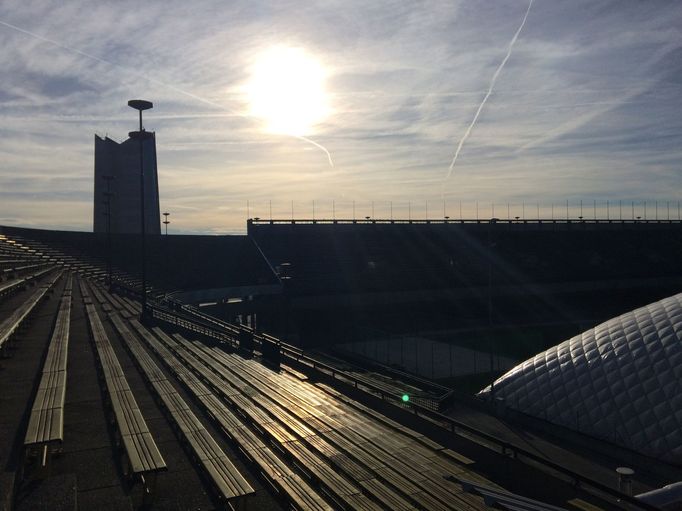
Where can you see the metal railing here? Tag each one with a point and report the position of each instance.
(441, 221)
(225, 332)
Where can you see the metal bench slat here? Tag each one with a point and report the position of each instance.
(230, 482)
(301, 495)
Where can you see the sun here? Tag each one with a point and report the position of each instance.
(287, 91)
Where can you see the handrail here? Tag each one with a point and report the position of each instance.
(480, 437)
(486, 221)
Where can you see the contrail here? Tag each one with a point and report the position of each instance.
(490, 90)
(153, 80)
(319, 146)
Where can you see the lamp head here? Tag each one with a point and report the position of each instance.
(140, 104)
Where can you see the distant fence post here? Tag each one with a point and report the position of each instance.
(246, 341)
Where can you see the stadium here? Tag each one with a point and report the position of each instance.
(337, 365)
(323, 329)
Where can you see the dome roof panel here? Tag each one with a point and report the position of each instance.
(618, 381)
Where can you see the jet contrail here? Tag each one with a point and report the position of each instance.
(153, 80)
(319, 146)
(490, 90)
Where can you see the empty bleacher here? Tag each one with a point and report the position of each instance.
(46, 423)
(174, 262)
(276, 473)
(11, 325)
(316, 433)
(143, 459)
(313, 447)
(224, 477)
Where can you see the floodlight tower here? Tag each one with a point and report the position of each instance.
(108, 194)
(141, 135)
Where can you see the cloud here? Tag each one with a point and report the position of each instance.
(588, 105)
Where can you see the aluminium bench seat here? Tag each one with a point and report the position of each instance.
(229, 483)
(384, 452)
(14, 322)
(45, 430)
(142, 454)
(344, 493)
(276, 472)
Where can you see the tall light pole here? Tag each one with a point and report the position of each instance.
(165, 242)
(108, 195)
(491, 244)
(141, 135)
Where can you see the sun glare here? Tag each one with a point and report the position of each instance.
(286, 90)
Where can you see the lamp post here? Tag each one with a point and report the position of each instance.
(165, 242)
(141, 135)
(491, 244)
(108, 195)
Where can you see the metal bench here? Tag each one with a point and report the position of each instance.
(403, 461)
(15, 321)
(281, 478)
(494, 497)
(223, 475)
(142, 460)
(45, 430)
(334, 485)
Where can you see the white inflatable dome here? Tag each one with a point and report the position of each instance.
(620, 381)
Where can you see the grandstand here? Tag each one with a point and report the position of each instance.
(187, 410)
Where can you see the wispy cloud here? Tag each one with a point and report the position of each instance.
(586, 106)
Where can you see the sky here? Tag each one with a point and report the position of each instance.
(584, 105)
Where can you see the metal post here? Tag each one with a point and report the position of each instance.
(109, 195)
(141, 105)
(142, 225)
(490, 305)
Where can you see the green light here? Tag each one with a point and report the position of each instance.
(406, 398)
